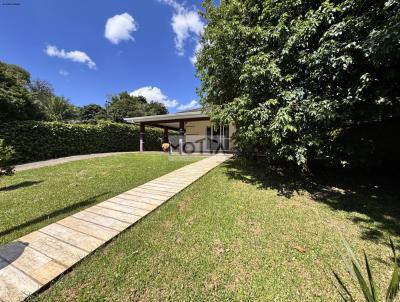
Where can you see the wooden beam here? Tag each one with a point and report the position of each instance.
(181, 135)
(178, 120)
(166, 135)
(163, 126)
(142, 135)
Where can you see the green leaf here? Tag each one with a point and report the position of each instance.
(363, 284)
(353, 259)
(393, 250)
(349, 297)
(393, 285)
(393, 288)
(370, 278)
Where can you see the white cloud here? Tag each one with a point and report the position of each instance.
(186, 24)
(64, 73)
(193, 58)
(154, 94)
(192, 105)
(177, 6)
(120, 28)
(75, 55)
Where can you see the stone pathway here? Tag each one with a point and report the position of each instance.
(32, 261)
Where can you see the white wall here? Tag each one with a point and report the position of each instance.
(196, 130)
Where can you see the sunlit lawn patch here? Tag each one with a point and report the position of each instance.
(32, 199)
(238, 234)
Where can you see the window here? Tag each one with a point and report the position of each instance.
(218, 138)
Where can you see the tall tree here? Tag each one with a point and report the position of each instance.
(156, 108)
(59, 108)
(293, 74)
(42, 92)
(124, 105)
(16, 102)
(55, 108)
(92, 112)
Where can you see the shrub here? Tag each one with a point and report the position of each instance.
(291, 74)
(38, 140)
(6, 153)
(366, 284)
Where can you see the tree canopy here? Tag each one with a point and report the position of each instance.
(92, 112)
(24, 99)
(59, 108)
(125, 105)
(16, 102)
(55, 108)
(155, 108)
(292, 75)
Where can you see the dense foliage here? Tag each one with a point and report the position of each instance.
(58, 108)
(36, 140)
(24, 99)
(124, 105)
(54, 108)
(16, 102)
(292, 75)
(92, 112)
(6, 153)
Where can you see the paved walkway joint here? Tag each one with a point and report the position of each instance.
(32, 261)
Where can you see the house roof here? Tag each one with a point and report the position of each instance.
(187, 115)
(190, 110)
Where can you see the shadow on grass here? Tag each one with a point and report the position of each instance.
(376, 197)
(23, 184)
(54, 214)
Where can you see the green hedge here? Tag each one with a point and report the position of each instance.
(34, 140)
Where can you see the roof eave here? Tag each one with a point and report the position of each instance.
(166, 117)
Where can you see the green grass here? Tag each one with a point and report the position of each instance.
(32, 199)
(232, 235)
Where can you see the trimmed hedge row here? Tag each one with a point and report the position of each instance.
(35, 140)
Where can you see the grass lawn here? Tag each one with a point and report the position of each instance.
(232, 236)
(32, 199)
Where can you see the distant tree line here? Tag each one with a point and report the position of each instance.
(22, 98)
(35, 123)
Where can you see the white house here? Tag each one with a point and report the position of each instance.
(194, 131)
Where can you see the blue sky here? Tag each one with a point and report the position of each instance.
(90, 49)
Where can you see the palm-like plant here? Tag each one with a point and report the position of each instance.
(59, 109)
(367, 284)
